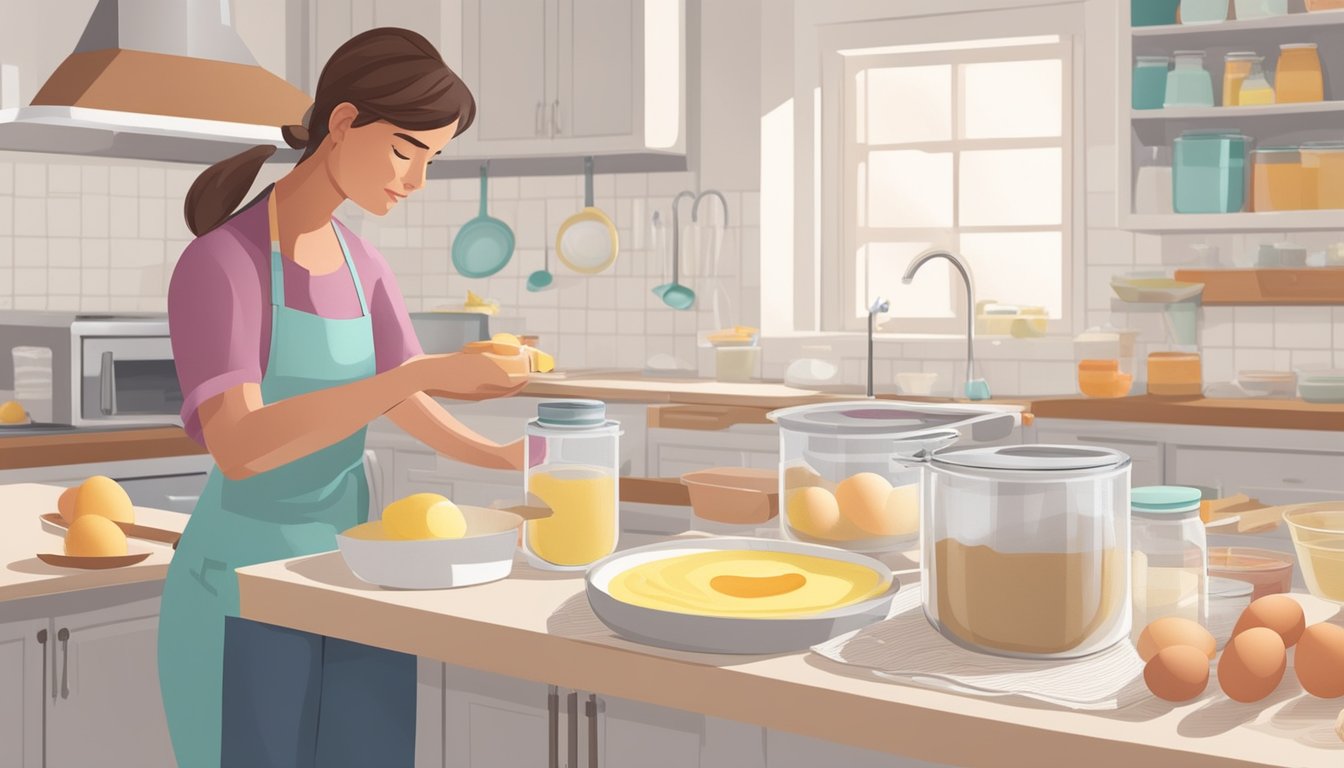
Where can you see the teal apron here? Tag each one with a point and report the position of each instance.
(292, 510)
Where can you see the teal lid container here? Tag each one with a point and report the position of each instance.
(1164, 501)
(572, 413)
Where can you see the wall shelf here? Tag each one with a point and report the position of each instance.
(1275, 221)
(1286, 286)
(1291, 21)
(1237, 113)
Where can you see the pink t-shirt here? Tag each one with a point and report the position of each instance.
(219, 307)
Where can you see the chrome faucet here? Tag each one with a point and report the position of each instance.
(976, 389)
(879, 305)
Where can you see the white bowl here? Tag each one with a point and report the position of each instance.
(484, 554)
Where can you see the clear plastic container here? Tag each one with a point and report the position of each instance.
(1026, 549)
(572, 467)
(1203, 11)
(1323, 172)
(1324, 5)
(1279, 181)
(1152, 180)
(1152, 13)
(1188, 83)
(1150, 82)
(1298, 75)
(1260, 9)
(1255, 90)
(1170, 569)
(1236, 66)
(1209, 172)
(736, 363)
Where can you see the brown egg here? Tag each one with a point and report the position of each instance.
(1177, 673)
(1280, 613)
(66, 504)
(863, 501)
(812, 511)
(1252, 664)
(104, 496)
(94, 536)
(1173, 630)
(1319, 660)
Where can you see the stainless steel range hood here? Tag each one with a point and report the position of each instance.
(156, 80)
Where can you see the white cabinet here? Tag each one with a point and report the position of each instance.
(429, 714)
(571, 77)
(631, 734)
(493, 721)
(1274, 477)
(24, 663)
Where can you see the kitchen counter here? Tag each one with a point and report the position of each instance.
(537, 626)
(22, 537)
(90, 446)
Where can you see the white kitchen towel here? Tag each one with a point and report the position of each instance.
(907, 648)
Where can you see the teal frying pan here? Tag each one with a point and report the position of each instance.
(484, 245)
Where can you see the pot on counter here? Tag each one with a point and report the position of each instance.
(1026, 549)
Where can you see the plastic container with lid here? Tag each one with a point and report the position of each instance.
(1279, 181)
(1152, 13)
(1203, 11)
(1209, 172)
(851, 473)
(1170, 555)
(1298, 75)
(1322, 5)
(1174, 374)
(1236, 66)
(1150, 82)
(1255, 90)
(1323, 171)
(1260, 9)
(1188, 83)
(572, 461)
(1026, 549)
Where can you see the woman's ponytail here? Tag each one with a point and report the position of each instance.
(221, 187)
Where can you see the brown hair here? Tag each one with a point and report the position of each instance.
(388, 74)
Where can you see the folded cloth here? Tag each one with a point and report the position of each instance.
(906, 648)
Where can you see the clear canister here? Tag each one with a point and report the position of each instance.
(572, 462)
(1026, 549)
(1188, 83)
(1280, 181)
(1236, 66)
(1298, 77)
(1209, 172)
(1150, 82)
(1170, 555)
(1323, 170)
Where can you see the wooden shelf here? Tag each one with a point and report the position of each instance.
(1291, 21)
(1236, 113)
(1276, 221)
(1286, 286)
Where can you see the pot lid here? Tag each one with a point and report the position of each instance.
(1163, 500)
(572, 413)
(1034, 458)
(879, 418)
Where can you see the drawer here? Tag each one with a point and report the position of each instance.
(1295, 475)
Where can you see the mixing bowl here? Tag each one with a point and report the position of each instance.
(484, 554)
(1318, 535)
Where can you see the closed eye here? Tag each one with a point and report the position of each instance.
(398, 154)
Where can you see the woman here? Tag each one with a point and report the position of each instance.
(290, 336)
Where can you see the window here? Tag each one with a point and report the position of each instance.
(960, 145)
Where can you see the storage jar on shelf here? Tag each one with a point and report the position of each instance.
(1322, 5)
(1236, 66)
(1279, 181)
(1260, 9)
(1188, 83)
(1209, 172)
(1175, 374)
(1297, 78)
(1170, 555)
(1203, 11)
(1150, 82)
(1323, 170)
(1255, 90)
(1152, 180)
(1152, 13)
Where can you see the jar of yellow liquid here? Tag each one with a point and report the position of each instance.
(1236, 66)
(1255, 90)
(572, 469)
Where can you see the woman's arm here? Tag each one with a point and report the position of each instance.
(246, 436)
(431, 424)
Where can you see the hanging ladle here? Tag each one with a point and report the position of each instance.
(674, 294)
(542, 278)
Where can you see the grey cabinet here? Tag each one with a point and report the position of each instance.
(24, 662)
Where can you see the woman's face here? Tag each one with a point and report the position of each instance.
(379, 164)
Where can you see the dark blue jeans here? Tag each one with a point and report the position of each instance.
(298, 700)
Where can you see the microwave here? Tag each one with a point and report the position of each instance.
(106, 370)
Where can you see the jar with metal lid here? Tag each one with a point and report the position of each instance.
(1279, 181)
(1298, 78)
(1188, 83)
(1236, 66)
(1026, 549)
(1323, 168)
(1255, 90)
(572, 461)
(1203, 11)
(1150, 82)
(1209, 172)
(1170, 555)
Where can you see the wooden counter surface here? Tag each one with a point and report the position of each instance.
(20, 451)
(1261, 413)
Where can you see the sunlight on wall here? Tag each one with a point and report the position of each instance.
(777, 219)
(662, 72)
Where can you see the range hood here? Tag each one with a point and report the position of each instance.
(156, 80)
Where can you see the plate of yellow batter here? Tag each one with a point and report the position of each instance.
(738, 594)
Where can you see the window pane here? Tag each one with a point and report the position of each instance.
(929, 296)
(1021, 268)
(1011, 186)
(908, 104)
(907, 188)
(1013, 99)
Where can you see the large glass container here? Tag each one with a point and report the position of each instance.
(572, 468)
(1298, 75)
(1188, 83)
(1209, 172)
(1203, 11)
(1279, 180)
(1026, 549)
(1152, 13)
(1323, 170)
(1170, 569)
(1260, 9)
(1150, 82)
(851, 474)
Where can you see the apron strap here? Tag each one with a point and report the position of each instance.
(350, 264)
(277, 265)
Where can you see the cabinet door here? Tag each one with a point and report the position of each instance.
(1147, 464)
(598, 70)
(107, 699)
(493, 721)
(429, 714)
(1276, 477)
(506, 59)
(632, 734)
(25, 660)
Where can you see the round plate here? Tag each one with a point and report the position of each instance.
(91, 563)
(725, 634)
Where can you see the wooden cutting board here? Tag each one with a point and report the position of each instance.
(131, 530)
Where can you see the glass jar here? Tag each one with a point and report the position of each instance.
(1255, 90)
(1260, 9)
(1152, 13)
(1175, 374)
(1298, 75)
(1026, 549)
(572, 461)
(1236, 66)
(1279, 181)
(1209, 172)
(1170, 555)
(1203, 11)
(851, 473)
(1188, 83)
(1323, 171)
(1324, 5)
(736, 362)
(1152, 180)
(1150, 82)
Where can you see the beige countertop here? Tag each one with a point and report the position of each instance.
(537, 626)
(22, 536)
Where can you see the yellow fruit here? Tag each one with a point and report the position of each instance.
(66, 503)
(103, 496)
(424, 516)
(506, 338)
(863, 501)
(373, 530)
(541, 362)
(813, 511)
(94, 536)
(12, 412)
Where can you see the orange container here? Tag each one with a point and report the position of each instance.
(1298, 76)
(737, 495)
(1174, 374)
(1325, 5)
(1267, 571)
(1102, 378)
(1280, 181)
(1324, 162)
(1236, 66)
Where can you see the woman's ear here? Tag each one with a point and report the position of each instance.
(342, 117)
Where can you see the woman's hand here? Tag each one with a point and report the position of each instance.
(464, 377)
(510, 455)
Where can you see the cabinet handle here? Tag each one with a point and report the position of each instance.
(591, 711)
(539, 119)
(573, 720)
(42, 641)
(64, 636)
(107, 397)
(555, 118)
(553, 726)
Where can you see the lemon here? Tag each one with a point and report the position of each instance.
(12, 412)
(506, 338)
(103, 496)
(541, 362)
(374, 530)
(424, 516)
(94, 536)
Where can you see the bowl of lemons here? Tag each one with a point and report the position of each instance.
(425, 541)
